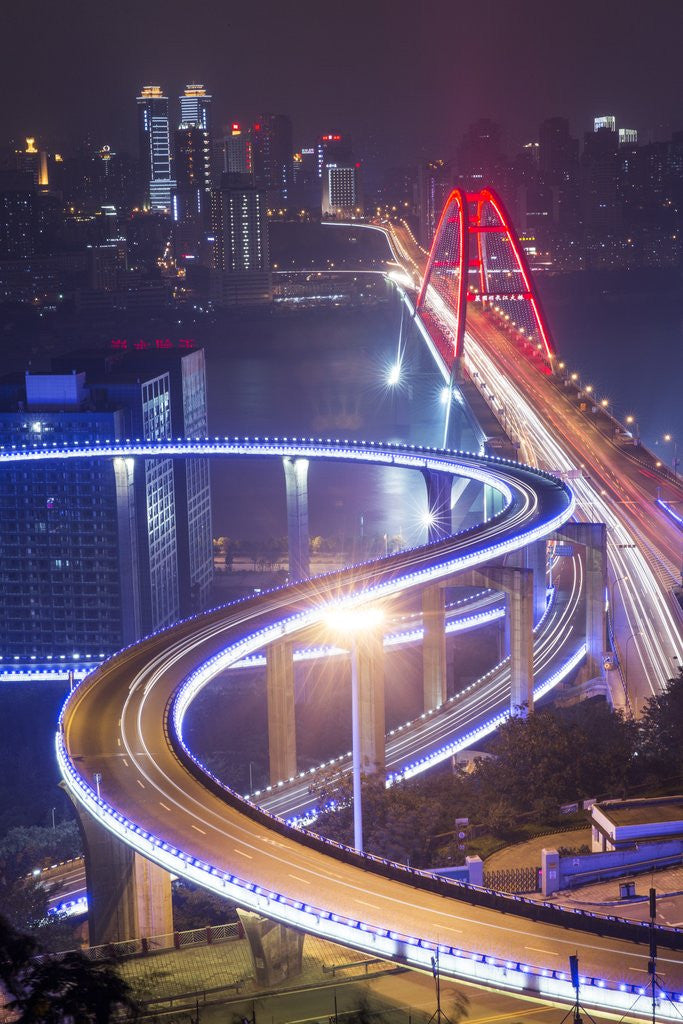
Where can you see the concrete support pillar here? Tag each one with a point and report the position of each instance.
(281, 721)
(550, 871)
(536, 558)
(368, 663)
(594, 538)
(517, 583)
(129, 568)
(520, 591)
(276, 950)
(439, 504)
(129, 897)
(434, 646)
(296, 486)
(468, 503)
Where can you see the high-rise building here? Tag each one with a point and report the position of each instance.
(480, 156)
(191, 200)
(600, 202)
(241, 257)
(606, 122)
(434, 183)
(237, 150)
(195, 107)
(341, 190)
(628, 137)
(17, 199)
(155, 147)
(69, 566)
(558, 160)
(333, 148)
(272, 151)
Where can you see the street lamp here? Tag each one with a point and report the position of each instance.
(674, 462)
(350, 624)
(631, 421)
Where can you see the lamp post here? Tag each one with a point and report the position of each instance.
(350, 624)
(674, 462)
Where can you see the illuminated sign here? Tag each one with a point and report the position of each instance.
(123, 344)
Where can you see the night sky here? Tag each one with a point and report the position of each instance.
(405, 78)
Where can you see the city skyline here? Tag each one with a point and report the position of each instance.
(531, 64)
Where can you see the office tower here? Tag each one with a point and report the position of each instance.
(434, 183)
(237, 151)
(69, 567)
(599, 181)
(17, 201)
(188, 405)
(273, 169)
(628, 137)
(341, 190)
(606, 122)
(155, 147)
(241, 258)
(195, 107)
(191, 200)
(480, 157)
(333, 148)
(558, 160)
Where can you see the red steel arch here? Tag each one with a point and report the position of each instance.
(476, 257)
(446, 274)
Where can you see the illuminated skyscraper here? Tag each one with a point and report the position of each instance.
(155, 147)
(241, 260)
(237, 150)
(195, 107)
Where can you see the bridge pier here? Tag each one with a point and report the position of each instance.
(129, 897)
(296, 487)
(439, 486)
(367, 695)
(593, 537)
(281, 720)
(276, 950)
(518, 586)
(434, 668)
(468, 503)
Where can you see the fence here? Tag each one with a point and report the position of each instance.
(514, 880)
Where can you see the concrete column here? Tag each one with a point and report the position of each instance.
(276, 950)
(439, 504)
(550, 871)
(475, 870)
(594, 538)
(296, 486)
(468, 503)
(129, 569)
(369, 658)
(536, 557)
(521, 599)
(281, 721)
(129, 897)
(434, 647)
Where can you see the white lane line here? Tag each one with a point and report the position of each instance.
(242, 853)
(125, 762)
(198, 829)
(141, 784)
(165, 806)
(297, 879)
(548, 952)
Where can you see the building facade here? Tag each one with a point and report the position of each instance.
(155, 147)
(241, 272)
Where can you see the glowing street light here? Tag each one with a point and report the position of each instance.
(394, 375)
(350, 624)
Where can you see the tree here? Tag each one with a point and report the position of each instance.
(660, 731)
(49, 988)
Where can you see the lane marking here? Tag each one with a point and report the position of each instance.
(198, 829)
(548, 952)
(165, 806)
(141, 784)
(242, 853)
(297, 879)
